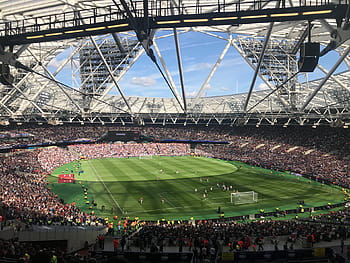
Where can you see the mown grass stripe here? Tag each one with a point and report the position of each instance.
(130, 178)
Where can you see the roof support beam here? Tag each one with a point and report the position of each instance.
(301, 39)
(325, 79)
(179, 63)
(6, 108)
(213, 70)
(56, 82)
(136, 19)
(25, 97)
(110, 73)
(21, 50)
(118, 42)
(262, 54)
(339, 82)
(4, 100)
(171, 81)
(110, 86)
(24, 105)
(273, 88)
(121, 74)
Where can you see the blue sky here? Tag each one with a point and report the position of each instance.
(199, 54)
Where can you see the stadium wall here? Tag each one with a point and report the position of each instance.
(75, 237)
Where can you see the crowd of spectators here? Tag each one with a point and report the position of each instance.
(26, 198)
(12, 251)
(49, 134)
(321, 165)
(325, 139)
(27, 252)
(24, 193)
(317, 154)
(121, 150)
(206, 239)
(50, 158)
(323, 153)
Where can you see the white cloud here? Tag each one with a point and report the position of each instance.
(208, 87)
(262, 86)
(188, 59)
(224, 89)
(143, 81)
(198, 67)
(196, 45)
(55, 62)
(191, 94)
(233, 62)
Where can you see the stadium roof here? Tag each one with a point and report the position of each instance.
(101, 42)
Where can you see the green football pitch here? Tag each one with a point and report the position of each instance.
(173, 188)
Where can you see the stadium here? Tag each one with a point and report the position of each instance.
(174, 131)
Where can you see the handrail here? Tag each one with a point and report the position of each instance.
(156, 9)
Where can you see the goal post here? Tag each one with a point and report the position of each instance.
(239, 198)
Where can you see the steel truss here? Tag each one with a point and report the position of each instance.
(98, 63)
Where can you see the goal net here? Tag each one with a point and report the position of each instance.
(244, 197)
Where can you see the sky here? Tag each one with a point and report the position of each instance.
(199, 52)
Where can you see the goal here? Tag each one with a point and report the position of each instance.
(244, 197)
